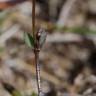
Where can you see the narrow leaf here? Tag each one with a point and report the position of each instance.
(43, 38)
(29, 40)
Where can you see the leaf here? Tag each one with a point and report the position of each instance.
(43, 37)
(29, 40)
(81, 30)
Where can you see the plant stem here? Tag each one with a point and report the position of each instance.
(33, 19)
(36, 50)
(38, 72)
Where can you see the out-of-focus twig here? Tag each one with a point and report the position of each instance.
(62, 38)
(65, 12)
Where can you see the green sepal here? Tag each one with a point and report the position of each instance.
(29, 40)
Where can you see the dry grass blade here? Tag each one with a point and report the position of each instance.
(65, 12)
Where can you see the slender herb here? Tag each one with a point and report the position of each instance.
(36, 50)
(36, 41)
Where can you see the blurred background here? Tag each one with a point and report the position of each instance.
(68, 58)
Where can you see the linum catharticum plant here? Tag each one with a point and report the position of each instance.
(36, 41)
